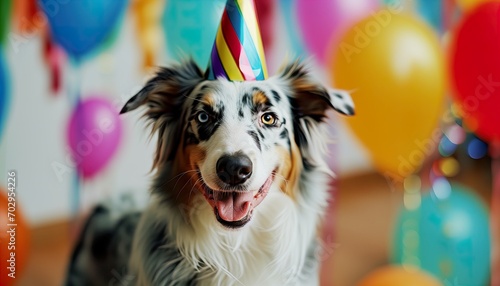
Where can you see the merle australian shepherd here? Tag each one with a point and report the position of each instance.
(240, 185)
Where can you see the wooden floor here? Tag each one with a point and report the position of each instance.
(50, 250)
(366, 208)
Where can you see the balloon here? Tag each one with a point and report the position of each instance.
(396, 73)
(21, 240)
(5, 9)
(4, 93)
(80, 26)
(451, 235)
(469, 4)
(475, 70)
(93, 134)
(399, 276)
(295, 42)
(432, 12)
(190, 27)
(322, 22)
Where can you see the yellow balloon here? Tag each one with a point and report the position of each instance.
(394, 67)
(469, 4)
(399, 276)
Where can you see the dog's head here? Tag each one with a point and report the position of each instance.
(234, 141)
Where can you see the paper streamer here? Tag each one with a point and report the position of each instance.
(55, 59)
(28, 19)
(238, 52)
(148, 15)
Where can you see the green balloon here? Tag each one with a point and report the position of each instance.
(5, 11)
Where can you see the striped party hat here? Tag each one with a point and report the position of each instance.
(238, 53)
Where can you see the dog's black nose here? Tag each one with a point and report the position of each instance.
(234, 169)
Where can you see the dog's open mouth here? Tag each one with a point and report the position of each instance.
(233, 209)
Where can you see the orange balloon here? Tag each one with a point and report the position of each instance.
(14, 240)
(399, 276)
(395, 69)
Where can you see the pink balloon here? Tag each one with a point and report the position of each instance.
(322, 22)
(94, 132)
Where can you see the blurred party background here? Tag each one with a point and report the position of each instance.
(417, 199)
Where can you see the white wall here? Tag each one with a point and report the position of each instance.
(35, 136)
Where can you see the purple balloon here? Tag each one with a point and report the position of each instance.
(93, 134)
(322, 22)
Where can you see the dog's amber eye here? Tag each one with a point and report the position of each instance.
(268, 119)
(202, 117)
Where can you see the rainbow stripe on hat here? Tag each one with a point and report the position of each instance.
(238, 53)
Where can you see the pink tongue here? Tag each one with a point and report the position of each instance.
(233, 206)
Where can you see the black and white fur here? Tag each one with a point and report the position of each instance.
(179, 239)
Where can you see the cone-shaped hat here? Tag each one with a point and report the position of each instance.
(238, 53)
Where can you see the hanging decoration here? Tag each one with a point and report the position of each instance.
(27, 17)
(148, 15)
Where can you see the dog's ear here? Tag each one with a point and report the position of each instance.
(163, 96)
(312, 99)
(165, 92)
(309, 102)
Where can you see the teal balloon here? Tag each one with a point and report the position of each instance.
(453, 237)
(432, 12)
(190, 27)
(4, 93)
(288, 8)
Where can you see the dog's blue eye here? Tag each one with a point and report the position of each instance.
(202, 117)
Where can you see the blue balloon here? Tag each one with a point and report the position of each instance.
(80, 26)
(288, 7)
(4, 93)
(448, 236)
(190, 27)
(432, 12)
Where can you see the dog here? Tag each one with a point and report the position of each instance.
(240, 185)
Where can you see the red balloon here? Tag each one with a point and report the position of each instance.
(475, 70)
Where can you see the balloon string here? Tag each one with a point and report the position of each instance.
(75, 197)
(495, 217)
(74, 97)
